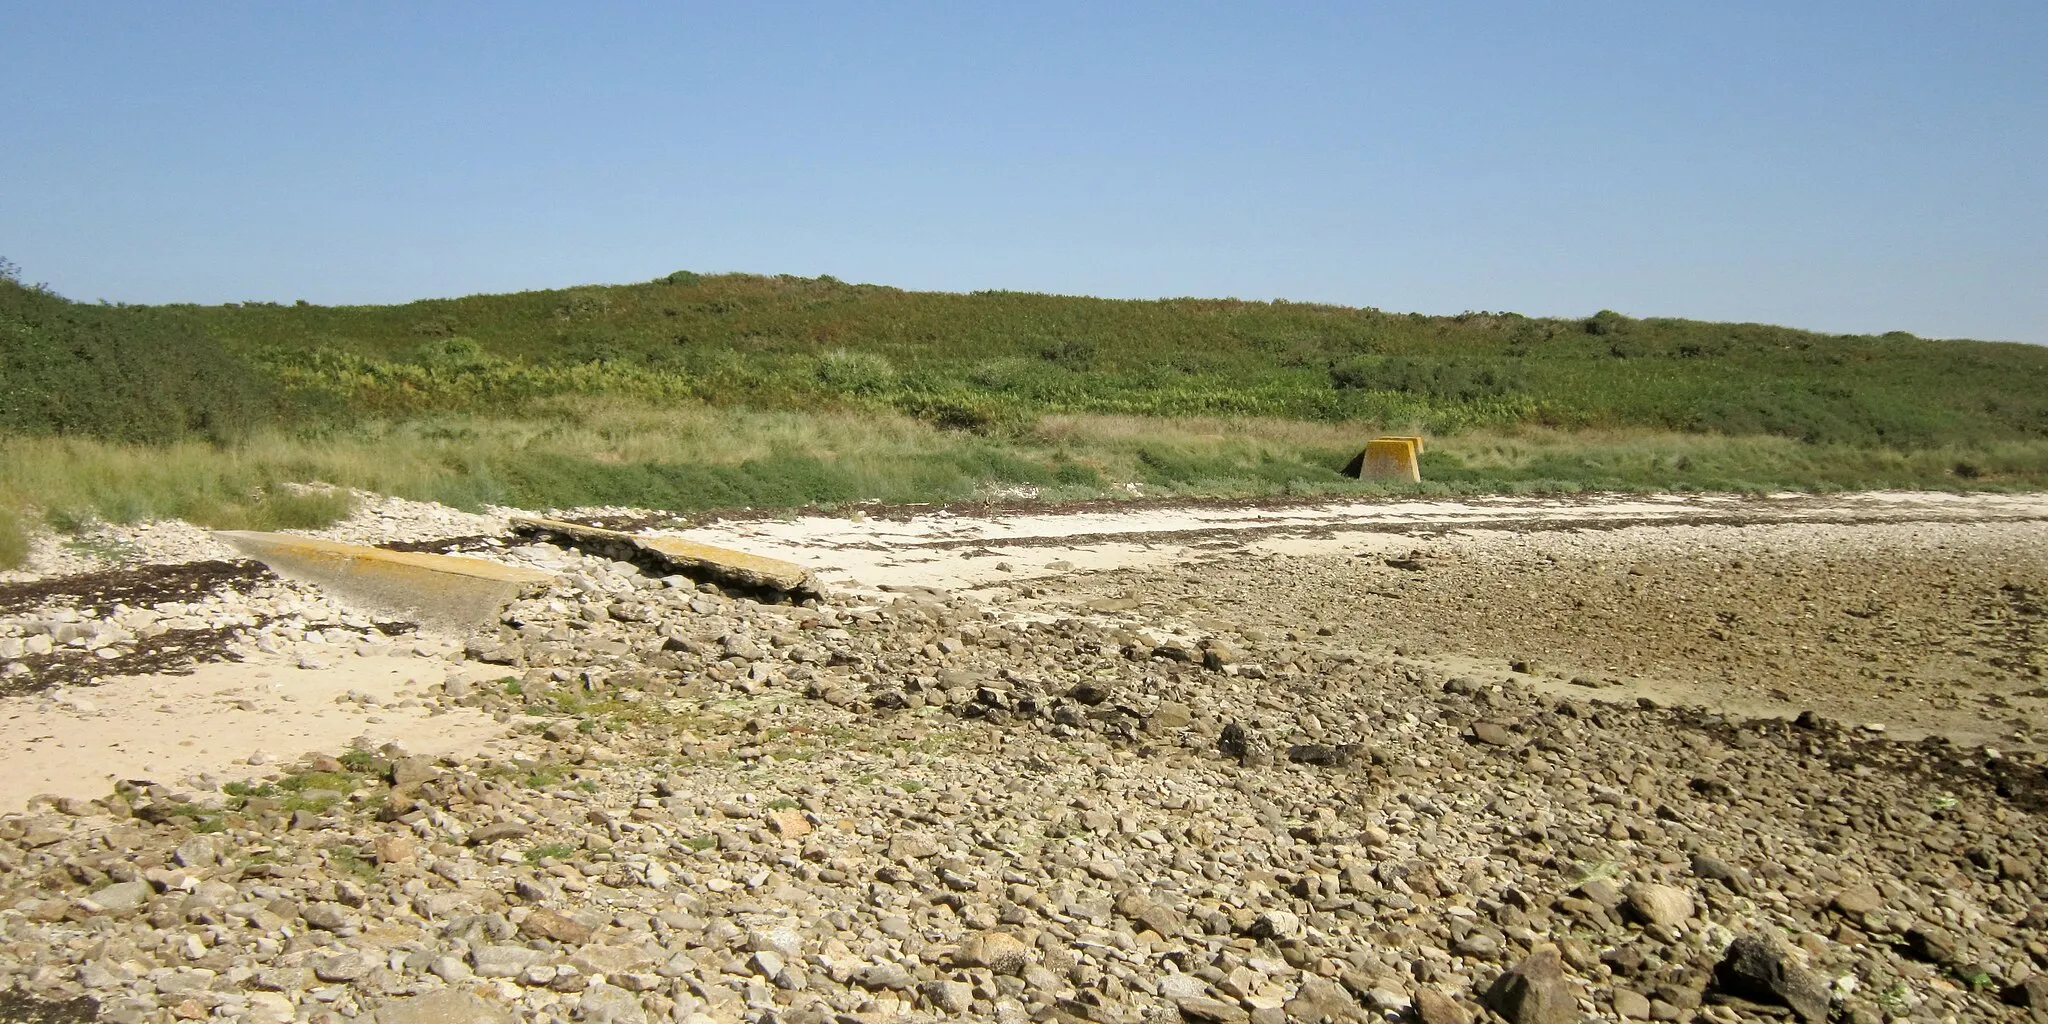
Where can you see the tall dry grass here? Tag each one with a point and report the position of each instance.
(697, 457)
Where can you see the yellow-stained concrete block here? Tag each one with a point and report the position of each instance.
(437, 591)
(1388, 458)
(678, 555)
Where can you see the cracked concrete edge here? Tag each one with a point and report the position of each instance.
(681, 556)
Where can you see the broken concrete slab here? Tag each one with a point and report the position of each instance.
(679, 556)
(445, 592)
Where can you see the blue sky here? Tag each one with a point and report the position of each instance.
(1851, 166)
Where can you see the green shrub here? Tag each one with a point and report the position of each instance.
(119, 373)
(855, 373)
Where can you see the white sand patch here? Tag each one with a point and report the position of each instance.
(947, 550)
(169, 729)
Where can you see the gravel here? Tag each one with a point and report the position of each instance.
(928, 805)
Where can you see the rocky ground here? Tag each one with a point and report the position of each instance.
(1244, 790)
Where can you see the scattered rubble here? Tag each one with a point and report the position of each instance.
(930, 805)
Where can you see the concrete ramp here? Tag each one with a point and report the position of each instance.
(438, 591)
(677, 556)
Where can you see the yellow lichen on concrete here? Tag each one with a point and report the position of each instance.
(442, 591)
(1388, 458)
(679, 555)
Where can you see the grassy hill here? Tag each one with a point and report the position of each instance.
(694, 391)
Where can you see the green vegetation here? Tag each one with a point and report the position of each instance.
(550, 851)
(300, 790)
(346, 858)
(13, 538)
(695, 392)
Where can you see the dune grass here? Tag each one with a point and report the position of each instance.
(697, 392)
(696, 457)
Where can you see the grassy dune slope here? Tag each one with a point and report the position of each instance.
(704, 391)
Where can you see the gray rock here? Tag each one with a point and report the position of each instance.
(1433, 1007)
(1493, 734)
(503, 961)
(330, 917)
(1631, 1005)
(1661, 906)
(1760, 969)
(1000, 952)
(450, 969)
(444, 1007)
(949, 996)
(1535, 991)
(1203, 1010)
(123, 897)
(1278, 924)
(2031, 995)
(1857, 900)
(1715, 869)
(886, 975)
(1930, 944)
(1169, 714)
(608, 1004)
(1150, 914)
(1319, 999)
(346, 967)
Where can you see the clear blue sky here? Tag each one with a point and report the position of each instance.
(1848, 166)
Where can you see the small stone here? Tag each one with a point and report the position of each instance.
(123, 897)
(1319, 999)
(329, 917)
(1433, 1007)
(1092, 693)
(767, 963)
(409, 771)
(503, 961)
(1760, 969)
(1715, 869)
(444, 1007)
(1277, 924)
(556, 927)
(1151, 914)
(608, 1004)
(885, 975)
(1493, 734)
(347, 967)
(395, 848)
(501, 831)
(789, 823)
(1660, 906)
(450, 969)
(1203, 1010)
(1631, 1005)
(1000, 952)
(1858, 900)
(2031, 994)
(1535, 991)
(1930, 945)
(949, 996)
(270, 1008)
(1169, 715)
(905, 848)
